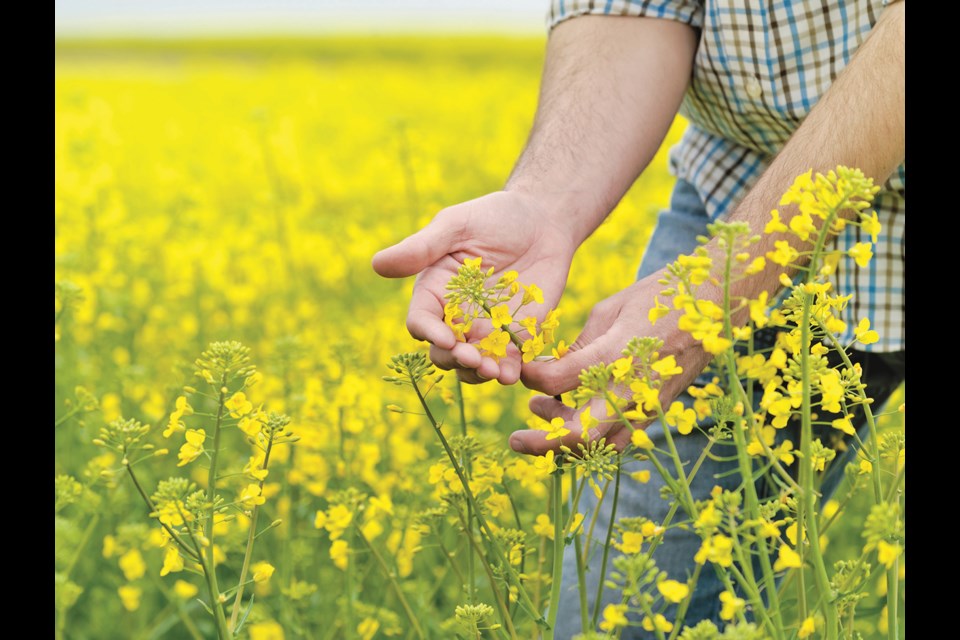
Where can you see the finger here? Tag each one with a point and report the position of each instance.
(559, 376)
(418, 251)
(548, 408)
(487, 371)
(592, 346)
(534, 442)
(509, 369)
(462, 356)
(425, 316)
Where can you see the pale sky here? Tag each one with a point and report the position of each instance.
(189, 17)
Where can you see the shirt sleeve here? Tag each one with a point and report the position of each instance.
(686, 11)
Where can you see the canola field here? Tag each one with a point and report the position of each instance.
(212, 191)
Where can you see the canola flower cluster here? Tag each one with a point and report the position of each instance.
(178, 512)
(470, 298)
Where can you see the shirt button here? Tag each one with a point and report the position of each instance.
(754, 90)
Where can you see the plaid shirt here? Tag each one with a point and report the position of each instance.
(758, 70)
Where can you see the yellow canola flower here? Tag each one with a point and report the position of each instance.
(756, 265)
(888, 553)
(717, 549)
(130, 597)
(844, 424)
(775, 224)
(238, 404)
(622, 367)
(543, 527)
(871, 225)
(643, 476)
(193, 447)
(532, 347)
(557, 430)
(184, 589)
(658, 622)
(368, 628)
(494, 344)
(340, 554)
(731, 605)
(659, 310)
(560, 350)
(335, 520)
(132, 565)
(806, 628)
(861, 253)
(802, 225)
(681, 418)
(641, 440)
(864, 334)
(532, 293)
(262, 571)
(758, 310)
(667, 367)
(251, 495)
(783, 253)
(672, 590)
(545, 464)
(251, 424)
(172, 561)
(614, 617)
(268, 630)
(500, 316)
(550, 323)
(632, 542)
(787, 558)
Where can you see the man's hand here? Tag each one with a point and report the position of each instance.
(611, 87)
(611, 325)
(509, 230)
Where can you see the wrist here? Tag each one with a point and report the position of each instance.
(576, 212)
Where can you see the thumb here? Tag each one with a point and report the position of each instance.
(415, 253)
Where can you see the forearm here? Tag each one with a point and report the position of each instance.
(859, 122)
(611, 88)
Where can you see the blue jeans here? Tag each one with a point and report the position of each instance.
(675, 234)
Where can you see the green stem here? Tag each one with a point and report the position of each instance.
(501, 557)
(517, 342)
(178, 607)
(449, 556)
(393, 583)
(501, 607)
(557, 573)
(467, 467)
(216, 606)
(607, 544)
(808, 497)
(683, 606)
(893, 589)
(743, 458)
(582, 584)
(87, 533)
(67, 416)
(646, 609)
(251, 536)
(173, 534)
(754, 596)
(222, 629)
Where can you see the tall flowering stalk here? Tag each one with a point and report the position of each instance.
(189, 516)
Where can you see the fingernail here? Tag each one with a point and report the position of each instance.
(481, 376)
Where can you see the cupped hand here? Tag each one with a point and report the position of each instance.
(611, 325)
(510, 231)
